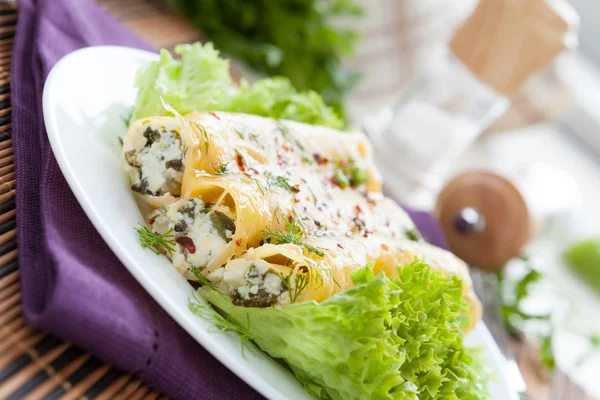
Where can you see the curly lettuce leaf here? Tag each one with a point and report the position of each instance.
(200, 81)
(278, 99)
(385, 338)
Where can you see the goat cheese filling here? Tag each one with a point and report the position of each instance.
(251, 283)
(201, 230)
(156, 163)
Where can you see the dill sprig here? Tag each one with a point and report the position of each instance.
(262, 188)
(201, 278)
(221, 169)
(317, 269)
(281, 181)
(300, 283)
(287, 135)
(159, 243)
(293, 233)
(204, 135)
(222, 323)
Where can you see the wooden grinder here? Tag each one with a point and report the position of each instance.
(503, 42)
(485, 218)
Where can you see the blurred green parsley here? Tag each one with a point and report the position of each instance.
(298, 39)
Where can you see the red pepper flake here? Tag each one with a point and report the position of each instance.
(320, 160)
(340, 246)
(186, 243)
(286, 147)
(151, 221)
(240, 163)
(358, 209)
(215, 115)
(385, 247)
(295, 200)
(238, 242)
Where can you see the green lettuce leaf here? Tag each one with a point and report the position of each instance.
(200, 81)
(385, 338)
(277, 98)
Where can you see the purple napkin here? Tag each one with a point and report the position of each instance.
(72, 284)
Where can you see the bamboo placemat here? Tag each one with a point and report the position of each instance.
(36, 365)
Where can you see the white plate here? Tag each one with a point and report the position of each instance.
(86, 96)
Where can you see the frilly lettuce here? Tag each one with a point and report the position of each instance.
(200, 81)
(385, 338)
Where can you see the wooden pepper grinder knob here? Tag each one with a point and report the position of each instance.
(485, 218)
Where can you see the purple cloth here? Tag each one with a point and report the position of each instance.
(72, 284)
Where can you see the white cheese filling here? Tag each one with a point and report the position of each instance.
(157, 168)
(195, 227)
(251, 283)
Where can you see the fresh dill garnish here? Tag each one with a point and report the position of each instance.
(262, 188)
(240, 133)
(222, 323)
(313, 249)
(159, 243)
(413, 234)
(201, 278)
(293, 233)
(317, 269)
(280, 181)
(204, 135)
(300, 283)
(287, 135)
(221, 169)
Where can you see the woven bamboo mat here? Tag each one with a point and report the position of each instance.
(36, 365)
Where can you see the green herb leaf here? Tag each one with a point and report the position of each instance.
(348, 174)
(413, 234)
(223, 224)
(340, 178)
(160, 244)
(359, 176)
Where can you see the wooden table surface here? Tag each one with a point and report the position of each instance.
(36, 365)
